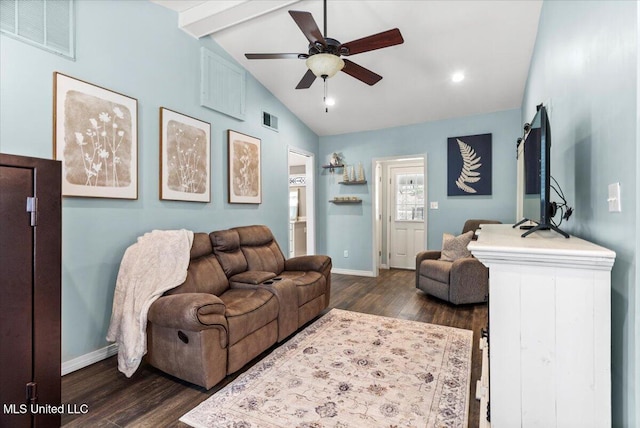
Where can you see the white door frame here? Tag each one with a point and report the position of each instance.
(377, 217)
(311, 195)
(377, 192)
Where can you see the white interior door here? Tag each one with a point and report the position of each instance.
(406, 216)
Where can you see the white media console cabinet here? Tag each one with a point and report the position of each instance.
(549, 337)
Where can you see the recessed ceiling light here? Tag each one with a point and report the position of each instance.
(457, 77)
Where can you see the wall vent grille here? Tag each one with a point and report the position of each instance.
(270, 121)
(47, 24)
(222, 85)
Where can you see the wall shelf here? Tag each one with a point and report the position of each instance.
(349, 183)
(332, 167)
(355, 201)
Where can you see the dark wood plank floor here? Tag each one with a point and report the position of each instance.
(151, 398)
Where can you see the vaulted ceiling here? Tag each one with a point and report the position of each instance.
(491, 42)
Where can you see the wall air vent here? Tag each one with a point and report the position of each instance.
(47, 24)
(270, 121)
(222, 85)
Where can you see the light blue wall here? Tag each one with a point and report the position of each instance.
(135, 48)
(349, 227)
(586, 63)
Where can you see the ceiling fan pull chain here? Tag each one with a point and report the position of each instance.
(324, 100)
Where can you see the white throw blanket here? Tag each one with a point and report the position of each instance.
(151, 266)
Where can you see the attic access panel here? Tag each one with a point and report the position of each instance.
(222, 85)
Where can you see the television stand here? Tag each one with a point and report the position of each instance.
(539, 226)
(549, 347)
(524, 220)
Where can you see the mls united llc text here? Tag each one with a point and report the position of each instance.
(45, 409)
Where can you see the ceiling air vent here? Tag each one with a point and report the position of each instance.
(47, 24)
(270, 121)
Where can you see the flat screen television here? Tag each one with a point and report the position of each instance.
(537, 205)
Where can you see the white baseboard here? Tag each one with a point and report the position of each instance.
(88, 359)
(353, 272)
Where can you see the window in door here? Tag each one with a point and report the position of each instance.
(410, 197)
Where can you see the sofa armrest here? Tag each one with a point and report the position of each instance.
(250, 277)
(470, 267)
(425, 255)
(469, 281)
(188, 311)
(317, 263)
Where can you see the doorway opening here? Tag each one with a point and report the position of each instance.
(400, 214)
(301, 219)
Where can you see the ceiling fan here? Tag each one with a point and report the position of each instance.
(324, 56)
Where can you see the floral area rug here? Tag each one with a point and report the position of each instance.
(351, 370)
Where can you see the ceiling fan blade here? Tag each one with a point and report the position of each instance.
(373, 42)
(359, 72)
(275, 56)
(307, 80)
(308, 26)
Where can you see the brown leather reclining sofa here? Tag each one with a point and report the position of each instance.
(240, 297)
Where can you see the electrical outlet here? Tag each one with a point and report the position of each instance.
(433, 205)
(346, 253)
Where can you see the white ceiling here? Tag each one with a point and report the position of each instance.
(490, 41)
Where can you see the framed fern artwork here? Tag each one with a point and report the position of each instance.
(469, 165)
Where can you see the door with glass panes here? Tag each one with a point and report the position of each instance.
(406, 219)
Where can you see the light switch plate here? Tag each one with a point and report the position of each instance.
(433, 205)
(614, 198)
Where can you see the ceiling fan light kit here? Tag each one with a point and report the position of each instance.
(323, 57)
(325, 64)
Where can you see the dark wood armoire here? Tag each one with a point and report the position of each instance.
(30, 295)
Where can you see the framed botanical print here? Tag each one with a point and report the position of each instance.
(245, 183)
(96, 138)
(469, 165)
(185, 157)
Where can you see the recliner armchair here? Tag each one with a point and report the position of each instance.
(465, 280)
